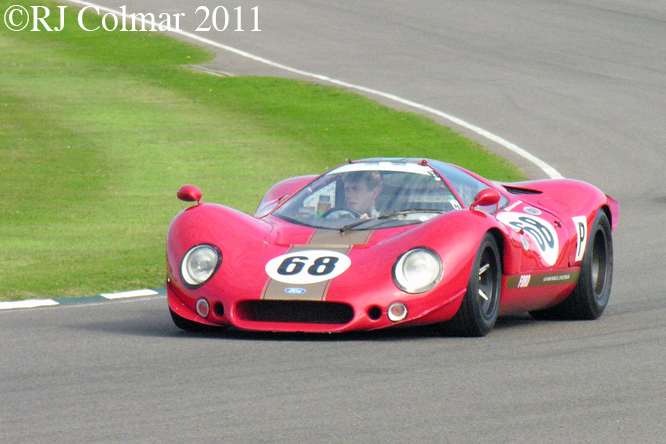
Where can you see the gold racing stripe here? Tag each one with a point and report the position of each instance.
(333, 239)
(330, 240)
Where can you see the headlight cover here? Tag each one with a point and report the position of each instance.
(200, 264)
(418, 270)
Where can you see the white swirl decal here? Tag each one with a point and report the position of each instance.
(541, 232)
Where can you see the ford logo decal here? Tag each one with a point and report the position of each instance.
(294, 290)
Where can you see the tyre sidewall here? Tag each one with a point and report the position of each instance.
(480, 321)
(592, 306)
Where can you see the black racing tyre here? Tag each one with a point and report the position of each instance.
(590, 297)
(187, 325)
(479, 309)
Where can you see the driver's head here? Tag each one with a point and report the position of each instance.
(362, 189)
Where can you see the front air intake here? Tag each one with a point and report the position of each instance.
(298, 312)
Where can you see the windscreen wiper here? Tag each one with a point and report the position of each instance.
(390, 215)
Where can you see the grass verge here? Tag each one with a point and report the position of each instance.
(99, 129)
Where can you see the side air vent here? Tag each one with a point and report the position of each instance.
(516, 190)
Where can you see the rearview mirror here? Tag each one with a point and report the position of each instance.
(189, 193)
(485, 198)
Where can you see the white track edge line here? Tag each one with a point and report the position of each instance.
(32, 303)
(129, 294)
(36, 303)
(545, 167)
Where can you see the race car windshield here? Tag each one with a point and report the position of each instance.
(383, 194)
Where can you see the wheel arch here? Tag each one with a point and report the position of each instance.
(499, 239)
(609, 214)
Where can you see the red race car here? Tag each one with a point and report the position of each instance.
(385, 242)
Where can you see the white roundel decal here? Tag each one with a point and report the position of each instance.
(541, 232)
(307, 267)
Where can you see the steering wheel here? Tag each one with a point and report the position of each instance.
(339, 213)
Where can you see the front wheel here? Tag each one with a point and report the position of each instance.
(480, 307)
(590, 297)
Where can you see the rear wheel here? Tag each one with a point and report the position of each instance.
(479, 309)
(590, 297)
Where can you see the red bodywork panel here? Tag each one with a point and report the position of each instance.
(539, 230)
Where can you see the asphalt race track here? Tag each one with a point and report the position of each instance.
(580, 84)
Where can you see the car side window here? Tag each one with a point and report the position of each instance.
(468, 187)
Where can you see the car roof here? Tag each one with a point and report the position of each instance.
(442, 168)
(393, 160)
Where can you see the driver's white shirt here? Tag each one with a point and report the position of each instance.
(372, 215)
(335, 215)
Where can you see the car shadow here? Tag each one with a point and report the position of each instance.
(387, 334)
(157, 323)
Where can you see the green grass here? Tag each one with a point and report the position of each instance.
(99, 129)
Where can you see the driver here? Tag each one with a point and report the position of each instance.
(361, 191)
